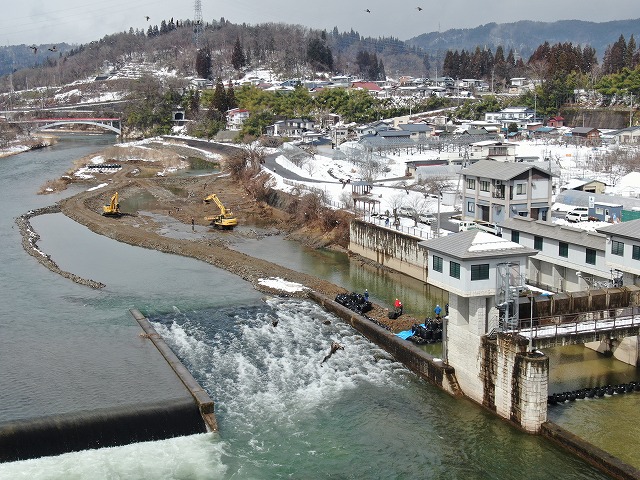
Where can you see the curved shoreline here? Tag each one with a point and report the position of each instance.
(30, 244)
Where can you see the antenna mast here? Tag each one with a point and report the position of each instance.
(197, 20)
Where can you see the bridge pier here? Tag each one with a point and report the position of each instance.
(625, 349)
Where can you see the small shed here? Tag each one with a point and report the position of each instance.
(606, 212)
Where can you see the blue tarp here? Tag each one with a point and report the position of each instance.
(404, 334)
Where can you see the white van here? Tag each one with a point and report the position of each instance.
(578, 214)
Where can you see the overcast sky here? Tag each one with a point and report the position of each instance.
(81, 21)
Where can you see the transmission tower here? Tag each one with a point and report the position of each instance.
(197, 20)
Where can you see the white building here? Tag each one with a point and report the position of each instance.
(622, 253)
(477, 268)
(236, 117)
(567, 259)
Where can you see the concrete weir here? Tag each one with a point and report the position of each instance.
(200, 396)
(185, 414)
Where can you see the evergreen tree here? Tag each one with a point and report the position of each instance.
(219, 99)
(232, 102)
(203, 62)
(238, 59)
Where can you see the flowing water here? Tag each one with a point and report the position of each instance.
(282, 412)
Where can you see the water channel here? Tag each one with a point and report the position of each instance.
(282, 413)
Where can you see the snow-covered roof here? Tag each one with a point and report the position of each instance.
(475, 244)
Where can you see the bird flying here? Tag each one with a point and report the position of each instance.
(53, 49)
(368, 11)
(34, 48)
(419, 9)
(147, 17)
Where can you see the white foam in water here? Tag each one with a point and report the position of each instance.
(193, 457)
(262, 379)
(280, 368)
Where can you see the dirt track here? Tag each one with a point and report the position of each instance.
(180, 200)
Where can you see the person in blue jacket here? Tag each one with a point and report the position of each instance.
(437, 311)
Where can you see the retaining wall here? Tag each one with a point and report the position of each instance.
(590, 453)
(432, 369)
(388, 247)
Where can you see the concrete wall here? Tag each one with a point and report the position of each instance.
(388, 247)
(417, 360)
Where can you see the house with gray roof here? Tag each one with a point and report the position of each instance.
(494, 191)
(567, 258)
(627, 135)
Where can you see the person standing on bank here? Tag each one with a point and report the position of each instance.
(366, 295)
(437, 311)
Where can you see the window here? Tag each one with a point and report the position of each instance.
(480, 272)
(454, 269)
(484, 185)
(590, 257)
(636, 252)
(471, 183)
(471, 207)
(563, 249)
(515, 236)
(537, 242)
(617, 248)
(437, 264)
(521, 188)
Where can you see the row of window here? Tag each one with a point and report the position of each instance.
(617, 248)
(478, 272)
(485, 185)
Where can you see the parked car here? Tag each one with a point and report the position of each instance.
(427, 218)
(578, 214)
(407, 212)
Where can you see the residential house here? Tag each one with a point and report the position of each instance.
(622, 254)
(371, 87)
(339, 134)
(521, 116)
(291, 128)
(493, 150)
(494, 191)
(236, 117)
(584, 185)
(418, 131)
(627, 135)
(586, 135)
(568, 259)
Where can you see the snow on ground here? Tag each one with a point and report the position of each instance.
(97, 187)
(278, 283)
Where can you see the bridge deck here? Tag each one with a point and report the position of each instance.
(583, 327)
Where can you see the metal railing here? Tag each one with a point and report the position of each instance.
(422, 232)
(579, 323)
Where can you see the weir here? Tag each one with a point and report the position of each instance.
(121, 425)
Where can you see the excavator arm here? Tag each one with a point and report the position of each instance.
(225, 220)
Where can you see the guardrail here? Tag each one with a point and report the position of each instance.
(423, 232)
(579, 323)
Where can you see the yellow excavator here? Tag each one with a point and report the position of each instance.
(224, 221)
(113, 209)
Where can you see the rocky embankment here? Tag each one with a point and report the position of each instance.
(30, 244)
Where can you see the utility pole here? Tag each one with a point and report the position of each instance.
(631, 111)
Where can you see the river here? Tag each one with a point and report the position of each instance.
(282, 413)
